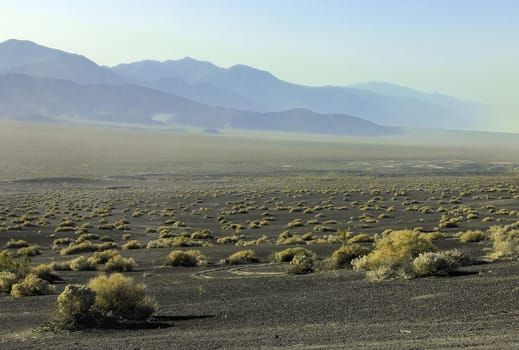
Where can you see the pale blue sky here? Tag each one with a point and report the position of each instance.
(465, 48)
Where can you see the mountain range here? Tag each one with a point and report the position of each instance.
(38, 82)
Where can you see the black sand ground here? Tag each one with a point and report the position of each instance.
(258, 306)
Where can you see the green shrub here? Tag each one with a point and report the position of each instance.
(343, 256)
(300, 264)
(242, 257)
(288, 254)
(31, 285)
(186, 258)
(118, 296)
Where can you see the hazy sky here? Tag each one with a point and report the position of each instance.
(465, 48)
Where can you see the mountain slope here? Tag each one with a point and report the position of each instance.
(26, 97)
(28, 58)
(264, 92)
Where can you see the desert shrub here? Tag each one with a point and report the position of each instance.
(119, 263)
(18, 266)
(75, 248)
(61, 241)
(203, 234)
(473, 236)
(7, 279)
(300, 264)
(288, 254)
(438, 263)
(45, 272)
(102, 257)
(505, 241)
(61, 265)
(186, 258)
(242, 257)
(343, 256)
(20, 243)
(176, 242)
(88, 237)
(31, 285)
(74, 305)
(32, 250)
(87, 246)
(361, 237)
(133, 244)
(81, 263)
(393, 255)
(118, 296)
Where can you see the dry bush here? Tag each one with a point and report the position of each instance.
(473, 236)
(119, 263)
(438, 263)
(32, 250)
(45, 272)
(393, 255)
(7, 279)
(361, 237)
(288, 254)
(31, 285)
(99, 258)
(343, 256)
(74, 305)
(300, 264)
(187, 258)
(17, 265)
(118, 296)
(505, 241)
(16, 244)
(242, 257)
(81, 263)
(133, 244)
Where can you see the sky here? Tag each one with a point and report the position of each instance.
(465, 48)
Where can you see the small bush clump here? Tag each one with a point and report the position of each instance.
(31, 285)
(288, 254)
(343, 256)
(300, 264)
(438, 263)
(187, 258)
(7, 279)
(74, 305)
(242, 257)
(505, 241)
(473, 236)
(393, 255)
(118, 296)
(133, 244)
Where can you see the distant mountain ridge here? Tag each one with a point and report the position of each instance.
(261, 91)
(199, 93)
(41, 99)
